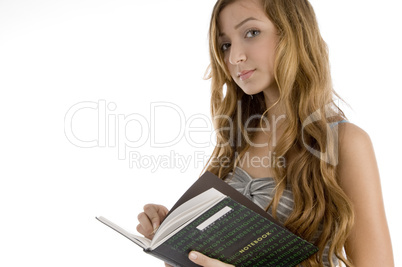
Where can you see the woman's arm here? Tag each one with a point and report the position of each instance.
(369, 243)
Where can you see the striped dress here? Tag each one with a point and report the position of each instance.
(261, 191)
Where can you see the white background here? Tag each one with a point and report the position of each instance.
(57, 54)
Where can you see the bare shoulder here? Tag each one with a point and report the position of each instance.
(357, 168)
(358, 175)
(353, 139)
(356, 151)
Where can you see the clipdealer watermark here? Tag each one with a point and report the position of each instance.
(113, 131)
(169, 161)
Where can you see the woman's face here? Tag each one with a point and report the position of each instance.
(248, 40)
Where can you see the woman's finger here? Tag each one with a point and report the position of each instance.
(205, 261)
(145, 227)
(155, 213)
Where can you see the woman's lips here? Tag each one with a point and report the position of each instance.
(245, 74)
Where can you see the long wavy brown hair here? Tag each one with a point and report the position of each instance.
(302, 73)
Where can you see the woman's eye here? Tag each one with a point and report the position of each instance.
(252, 33)
(225, 47)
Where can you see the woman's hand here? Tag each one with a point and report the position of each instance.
(150, 219)
(205, 261)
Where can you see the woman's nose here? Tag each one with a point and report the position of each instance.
(237, 54)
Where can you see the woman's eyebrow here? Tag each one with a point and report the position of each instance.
(239, 25)
(244, 21)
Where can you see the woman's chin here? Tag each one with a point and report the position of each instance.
(251, 92)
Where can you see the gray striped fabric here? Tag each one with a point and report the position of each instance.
(261, 191)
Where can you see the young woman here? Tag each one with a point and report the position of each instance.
(282, 140)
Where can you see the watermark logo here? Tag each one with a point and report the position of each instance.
(329, 153)
(129, 132)
(172, 160)
(113, 128)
